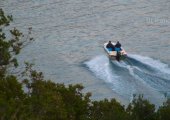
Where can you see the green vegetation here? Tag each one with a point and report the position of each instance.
(38, 99)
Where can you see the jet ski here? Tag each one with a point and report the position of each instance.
(115, 55)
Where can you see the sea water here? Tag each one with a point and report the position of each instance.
(69, 37)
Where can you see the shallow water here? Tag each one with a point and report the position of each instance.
(69, 44)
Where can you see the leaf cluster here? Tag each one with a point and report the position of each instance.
(10, 46)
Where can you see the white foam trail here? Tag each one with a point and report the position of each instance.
(156, 64)
(123, 84)
(120, 64)
(100, 66)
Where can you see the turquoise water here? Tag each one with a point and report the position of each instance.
(69, 44)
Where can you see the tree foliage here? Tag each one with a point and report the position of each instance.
(108, 110)
(141, 109)
(38, 99)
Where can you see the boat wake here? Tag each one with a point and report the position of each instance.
(136, 75)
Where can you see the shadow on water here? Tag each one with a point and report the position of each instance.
(135, 75)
